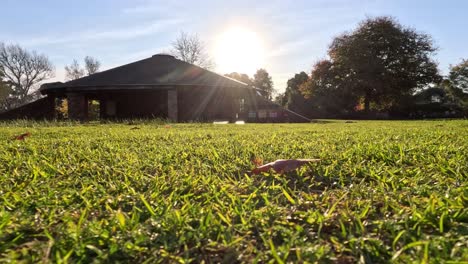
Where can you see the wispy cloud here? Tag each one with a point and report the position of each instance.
(142, 9)
(105, 35)
(152, 7)
(288, 47)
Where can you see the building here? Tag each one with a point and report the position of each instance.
(435, 103)
(157, 87)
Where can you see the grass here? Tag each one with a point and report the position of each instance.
(384, 192)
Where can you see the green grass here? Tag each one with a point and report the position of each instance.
(384, 191)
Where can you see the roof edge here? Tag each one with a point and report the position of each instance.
(127, 87)
(47, 87)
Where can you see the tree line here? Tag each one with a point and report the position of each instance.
(380, 67)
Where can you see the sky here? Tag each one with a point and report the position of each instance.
(290, 35)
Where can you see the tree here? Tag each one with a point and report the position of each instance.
(281, 99)
(73, 71)
(5, 91)
(92, 65)
(385, 61)
(191, 49)
(23, 70)
(262, 80)
(329, 95)
(242, 77)
(294, 100)
(458, 76)
(457, 84)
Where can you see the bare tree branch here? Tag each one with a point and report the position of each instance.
(73, 71)
(191, 49)
(24, 70)
(92, 65)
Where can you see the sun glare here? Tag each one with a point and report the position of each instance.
(239, 50)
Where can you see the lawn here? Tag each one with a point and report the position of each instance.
(150, 192)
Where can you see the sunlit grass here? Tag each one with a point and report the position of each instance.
(109, 192)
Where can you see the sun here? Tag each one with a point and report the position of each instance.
(239, 50)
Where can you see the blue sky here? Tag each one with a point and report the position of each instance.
(295, 34)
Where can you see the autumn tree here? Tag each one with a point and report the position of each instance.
(384, 60)
(191, 49)
(262, 80)
(23, 70)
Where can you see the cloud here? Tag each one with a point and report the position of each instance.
(105, 35)
(153, 7)
(138, 9)
(142, 9)
(288, 47)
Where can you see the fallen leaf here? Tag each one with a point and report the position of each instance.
(22, 136)
(282, 165)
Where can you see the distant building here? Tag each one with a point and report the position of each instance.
(157, 87)
(435, 103)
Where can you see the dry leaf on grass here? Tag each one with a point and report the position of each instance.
(22, 136)
(282, 165)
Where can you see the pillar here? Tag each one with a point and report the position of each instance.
(102, 109)
(172, 112)
(51, 112)
(77, 106)
(234, 108)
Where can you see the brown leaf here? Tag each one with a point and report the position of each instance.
(22, 136)
(282, 165)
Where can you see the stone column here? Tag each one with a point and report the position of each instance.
(51, 112)
(234, 108)
(102, 109)
(77, 106)
(172, 112)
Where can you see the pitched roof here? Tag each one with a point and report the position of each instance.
(157, 71)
